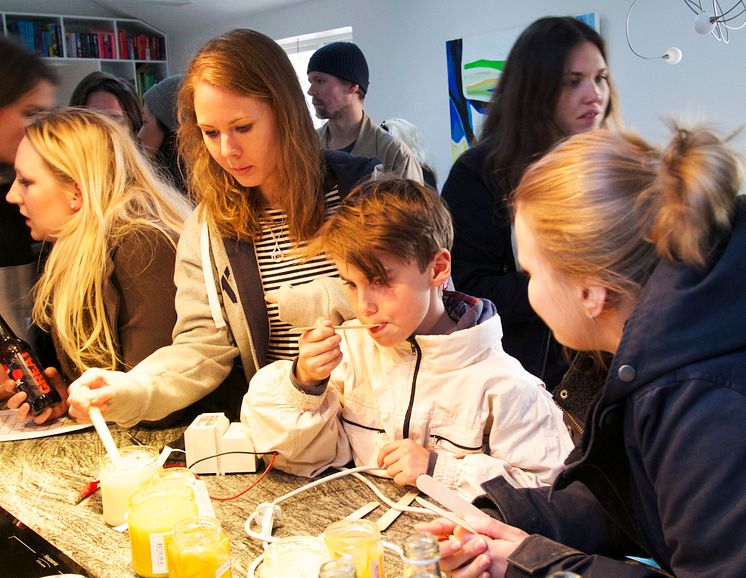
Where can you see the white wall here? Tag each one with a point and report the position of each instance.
(403, 41)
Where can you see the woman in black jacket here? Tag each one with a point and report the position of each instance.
(639, 253)
(555, 83)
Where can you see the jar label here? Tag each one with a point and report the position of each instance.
(158, 559)
(375, 569)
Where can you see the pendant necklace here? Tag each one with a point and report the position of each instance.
(276, 255)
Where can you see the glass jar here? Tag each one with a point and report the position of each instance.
(421, 554)
(120, 481)
(154, 511)
(199, 548)
(297, 556)
(179, 473)
(360, 541)
(340, 568)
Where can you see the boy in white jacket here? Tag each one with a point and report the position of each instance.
(427, 388)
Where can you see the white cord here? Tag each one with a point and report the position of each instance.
(268, 538)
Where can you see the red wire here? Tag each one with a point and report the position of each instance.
(259, 479)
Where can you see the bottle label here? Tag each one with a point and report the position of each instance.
(35, 372)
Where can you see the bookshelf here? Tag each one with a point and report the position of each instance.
(79, 45)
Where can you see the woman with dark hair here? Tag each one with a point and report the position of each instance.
(29, 87)
(159, 128)
(264, 189)
(112, 96)
(637, 252)
(555, 83)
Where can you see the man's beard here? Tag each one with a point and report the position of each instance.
(324, 114)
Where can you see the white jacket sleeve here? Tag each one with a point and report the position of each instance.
(196, 363)
(303, 429)
(528, 443)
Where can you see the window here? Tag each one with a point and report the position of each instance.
(300, 49)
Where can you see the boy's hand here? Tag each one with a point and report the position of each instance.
(17, 401)
(404, 461)
(318, 353)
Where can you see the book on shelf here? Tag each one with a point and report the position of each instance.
(41, 38)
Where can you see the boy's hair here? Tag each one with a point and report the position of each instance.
(390, 215)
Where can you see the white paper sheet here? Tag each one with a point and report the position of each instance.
(12, 428)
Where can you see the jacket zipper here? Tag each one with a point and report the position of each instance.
(416, 351)
(463, 447)
(574, 423)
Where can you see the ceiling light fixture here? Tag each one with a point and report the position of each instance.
(672, 56)
(720, 21)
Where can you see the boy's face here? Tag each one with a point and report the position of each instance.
(407, 303)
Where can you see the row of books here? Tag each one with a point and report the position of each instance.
(41, 38)
(45, 39)
(145, 80)
(141, 46)
(93, 44)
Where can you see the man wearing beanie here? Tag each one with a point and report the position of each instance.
(338, 74)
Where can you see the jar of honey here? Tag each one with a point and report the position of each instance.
(360, 541)
(199, 548)
(154, 511)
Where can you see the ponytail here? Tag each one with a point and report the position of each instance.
(697, 183)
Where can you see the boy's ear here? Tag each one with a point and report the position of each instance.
(441, 267)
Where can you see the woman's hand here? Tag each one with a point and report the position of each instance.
(92, 388)
(318, 353)
(482, 555)
(17, 399)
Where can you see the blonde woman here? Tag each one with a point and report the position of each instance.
(637, 252)
(106, 294)
(265, 188)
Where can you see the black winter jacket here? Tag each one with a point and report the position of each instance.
(483, 264)
(662, 471)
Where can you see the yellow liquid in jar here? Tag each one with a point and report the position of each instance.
(361, 543)
(150, 524)
(199, 552)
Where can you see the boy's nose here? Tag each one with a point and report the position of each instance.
(365, 306)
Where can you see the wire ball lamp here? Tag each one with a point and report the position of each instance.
(720, 21)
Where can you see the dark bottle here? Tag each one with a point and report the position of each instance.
(22, 365)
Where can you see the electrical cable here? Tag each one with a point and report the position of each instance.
(256, 482)
(672, 56)
(356, 472)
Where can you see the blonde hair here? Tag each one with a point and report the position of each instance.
(248, 63)
(389, 215)
(120, 195)
(610, 206)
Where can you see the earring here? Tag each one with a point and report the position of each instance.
(590, 315)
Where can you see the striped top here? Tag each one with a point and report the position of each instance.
(278, 264)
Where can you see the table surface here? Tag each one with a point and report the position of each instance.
(40, 479)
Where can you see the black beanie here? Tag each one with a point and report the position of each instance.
(343, 60)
